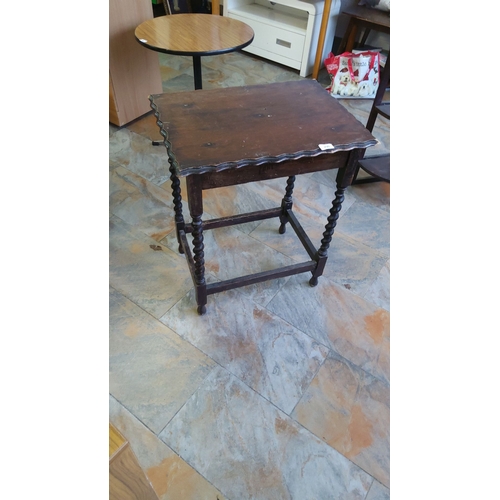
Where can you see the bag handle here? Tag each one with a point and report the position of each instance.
(349, 64)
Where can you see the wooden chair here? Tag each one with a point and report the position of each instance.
(364, 20)
(379, 167)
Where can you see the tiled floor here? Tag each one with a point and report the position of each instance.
(281, 391)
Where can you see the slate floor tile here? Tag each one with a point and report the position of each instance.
(249, 449)
(141, 203)
(153, 371)
(269, 355)
(349, 410)
(348, 324)
(151, 275)
(171, 477)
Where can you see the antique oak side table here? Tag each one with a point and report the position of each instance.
(230, 136)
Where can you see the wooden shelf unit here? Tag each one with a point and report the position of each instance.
(134, 72)
(286, 31)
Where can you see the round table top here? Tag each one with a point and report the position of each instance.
(194, 34)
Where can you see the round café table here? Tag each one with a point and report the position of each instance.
(194, 35)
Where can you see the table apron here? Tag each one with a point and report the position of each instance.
(253, 173)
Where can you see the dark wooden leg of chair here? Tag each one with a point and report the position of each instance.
(377, 166)
(382, 87)
(365, 37)
(356, 172)
(349, 37)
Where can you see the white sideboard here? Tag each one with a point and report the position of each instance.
(286, 31)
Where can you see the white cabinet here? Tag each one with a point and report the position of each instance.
(286, 31)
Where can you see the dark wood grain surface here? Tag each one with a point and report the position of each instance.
(213, 130)
(375, 16)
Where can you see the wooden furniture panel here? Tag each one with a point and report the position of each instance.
(134, 72)
(113, 108)
(363, 18)
(127, 481)
(286, 31)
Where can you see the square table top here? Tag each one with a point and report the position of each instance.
(218, 129)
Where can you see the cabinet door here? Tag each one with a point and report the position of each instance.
(113, 108)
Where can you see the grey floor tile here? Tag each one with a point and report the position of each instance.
(379, 291)
(348, 324)
(153, 371)
(349, 410)
(230, 253)
(376, 194)
(248, 449)
(171, 477)
(151, 275)
(378, 492)
(136, 153)
(269, 355)
(141, 203)
(368, 224)
(350, 263)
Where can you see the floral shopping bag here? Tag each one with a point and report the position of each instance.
(353, 74)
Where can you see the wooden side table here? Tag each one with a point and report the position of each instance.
(230, 136)
(194, 35)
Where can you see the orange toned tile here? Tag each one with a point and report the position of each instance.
(171, 477)
(174, 64)
(353, 327)
(349, 410)
(247, 448)
(146, 126)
